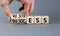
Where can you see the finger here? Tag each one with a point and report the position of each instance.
(31, 7)
(21, 8)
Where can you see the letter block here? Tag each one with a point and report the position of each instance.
(45, 19)
(37, 19)
(30, 20)
(14, 18)
(22, 20)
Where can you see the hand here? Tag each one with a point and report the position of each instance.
(20, 9)
(9, 17)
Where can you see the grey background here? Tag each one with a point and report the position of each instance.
(42, 7)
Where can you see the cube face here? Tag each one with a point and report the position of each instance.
(37, 19)
(45, 19)
(30, 19)
(22, 20)
(19, 16)
(14, 20)
(14, 16)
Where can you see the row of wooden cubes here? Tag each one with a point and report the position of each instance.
(16, 18)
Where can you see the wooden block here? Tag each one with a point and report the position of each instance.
(30, 20)
(22, 20)
(37, 19)
(14, 18)
(45, 19)
(19, 16)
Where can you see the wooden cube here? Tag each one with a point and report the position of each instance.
(14, 18)
(22, 20)
(45, 19)
(30, 19)
(19, 16)
(37, 19)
